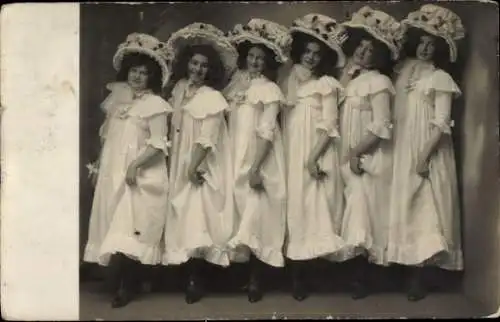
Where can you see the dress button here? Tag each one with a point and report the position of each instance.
(137, 233)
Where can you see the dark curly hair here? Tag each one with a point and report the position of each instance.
(131, 60)
(381, 57)
(215, 77)
(271, 65)
(328, 62)
(441, 55)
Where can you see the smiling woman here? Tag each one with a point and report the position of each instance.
(200, 215)
(123, 235)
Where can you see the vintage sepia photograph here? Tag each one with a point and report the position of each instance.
(288, 160)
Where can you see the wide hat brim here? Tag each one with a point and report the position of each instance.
(426, 28)
(122, 52)
(226, 51)
(280, 55)
(392, 47)
(341, 60)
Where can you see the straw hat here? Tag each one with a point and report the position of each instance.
(144, 44)
(381, 26)
(440, 22)
(204, 34)
(324, 29)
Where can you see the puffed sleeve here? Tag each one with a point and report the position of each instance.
(331, 91)
(270, 95)
(158, 129)
(380, 90)
(444, 88)
(441, 81)
(267, 122)
(442, 112)
(381, 124)
(209, 132)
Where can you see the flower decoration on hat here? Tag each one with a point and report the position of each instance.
(381, 26)
(204, 34)
(325, 29)
(440, 22)
(270, 34)
(147, 45)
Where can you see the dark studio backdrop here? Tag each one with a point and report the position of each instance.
(105, 26)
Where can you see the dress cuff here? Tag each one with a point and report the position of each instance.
(162, 144)
(266, 131)
(205, 143)
(331, 130)
(443, 126)
(382, 130)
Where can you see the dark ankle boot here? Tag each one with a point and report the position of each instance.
(125, 292)
(254, 288)
(299, 290)
(359, 286)
(194, 291)
(417, 290)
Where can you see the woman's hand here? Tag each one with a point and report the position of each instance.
(196, 177)
(131, 175)
(255, 180)
(423, 166)
(355, 165)
(315, 171)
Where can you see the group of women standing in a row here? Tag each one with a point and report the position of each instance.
(325, 159)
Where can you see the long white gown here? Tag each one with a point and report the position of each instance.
(200, 220)
(314, 209)
(130, 219)
(261, 216)
(425, 215)
(366, 216)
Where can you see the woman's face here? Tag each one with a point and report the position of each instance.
(138, 77)
(197, 68)
(311, 56)
(363, 53)
(425, 48)
(256, 60)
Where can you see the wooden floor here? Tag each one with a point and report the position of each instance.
(95, 305)
(230, 302)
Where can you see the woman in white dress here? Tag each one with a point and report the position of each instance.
(257, 148)
(130, 200)
(310, 127)
(425, 217)
(373, 46)
(201, 217)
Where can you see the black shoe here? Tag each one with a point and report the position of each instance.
(299, 291)
(416, 291)
(193, 293)
(359, 291)
(416, 294)
(254, 292)
(122, 298)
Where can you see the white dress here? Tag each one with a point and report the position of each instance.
(200, 220)
(262, 221)
(130, 219)
(367, 109)
(314, 209)
(425, 216)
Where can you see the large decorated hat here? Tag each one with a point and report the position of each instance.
(381, 26)
(204, 34)
(325, 29)
(440, 22)
(144, 44)
(270, 34)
